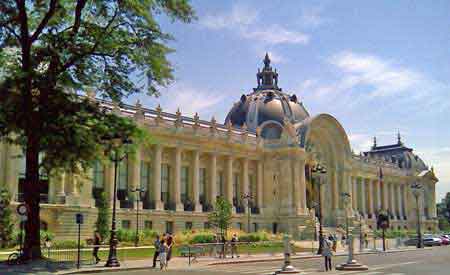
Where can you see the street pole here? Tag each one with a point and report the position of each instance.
(112, 257)
(319, 251)
(136, 241)
(78, 246)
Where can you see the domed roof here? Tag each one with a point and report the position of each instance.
(267, 106)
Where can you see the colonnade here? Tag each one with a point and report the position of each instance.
(370, 195)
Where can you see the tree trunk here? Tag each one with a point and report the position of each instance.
(32, 247)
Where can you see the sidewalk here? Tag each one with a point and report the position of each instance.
(176, 263)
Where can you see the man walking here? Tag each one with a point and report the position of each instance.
(234, 241)
(157, 245)
(97, 242)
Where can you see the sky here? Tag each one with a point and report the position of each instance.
(379, 67)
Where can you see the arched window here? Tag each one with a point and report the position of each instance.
(271, 131)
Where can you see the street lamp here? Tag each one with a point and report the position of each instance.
(114, 145)
(247, 197)
(346, 200)
(416, 190)
(139, 192)
(321, 170)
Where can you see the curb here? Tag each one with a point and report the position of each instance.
(307, 257)
(114, 269)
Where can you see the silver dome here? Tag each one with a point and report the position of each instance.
(267, 106)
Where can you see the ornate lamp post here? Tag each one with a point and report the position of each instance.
(115, 144)
(139, 192)
(416, 190)
(320, 170)
(346, 199)
(247, 197)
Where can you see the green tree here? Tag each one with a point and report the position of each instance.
(102, 223)
(220, 218)
(51, 51)
(443, 212)
(6, 222)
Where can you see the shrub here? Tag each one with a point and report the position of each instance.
(6, 223)
(203, 237)
(67, 244)
(254, 237)
(102, 223)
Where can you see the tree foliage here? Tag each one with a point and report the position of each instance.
(51, 52)
(220, 218)
(443, 213)
(6, 222)
(102, 223)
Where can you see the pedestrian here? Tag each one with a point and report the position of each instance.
(169, 243)
(327, 252)
(333, 240)
(234, 241)
(366, 240)
(223, 241)
(163, 250)
(97, 242)
(157, 245)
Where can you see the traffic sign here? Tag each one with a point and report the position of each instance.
(79, 218)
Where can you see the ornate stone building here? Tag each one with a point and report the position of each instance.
(267, 149)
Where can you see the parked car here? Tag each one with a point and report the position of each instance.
(445, 240)
(429, 240)
(411, 242)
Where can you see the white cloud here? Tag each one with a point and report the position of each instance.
(276, 34)
(244, 21)
(239, 16)
(360, 142)
(386, 78)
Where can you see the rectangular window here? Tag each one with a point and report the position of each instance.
(202, 185)
(239, 225)
(255, 227)
(148, 224)
(126, 224)
(188, 225)
(184, 184)
(123, 175)
(169, 227)
(236, 189)
(146, 177)
(220, 184)
(97, 175)
(165, 179)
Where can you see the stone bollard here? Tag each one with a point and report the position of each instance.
(287, 267)
(351, 263)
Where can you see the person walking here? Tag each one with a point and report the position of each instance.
(234, 241)
(157, 245)
(327, 252)
(163, 251)
(97, 242)
(169, 243)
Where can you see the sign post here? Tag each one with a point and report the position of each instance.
(79, 221)
(22, 210)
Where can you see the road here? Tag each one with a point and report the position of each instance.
(429, 261)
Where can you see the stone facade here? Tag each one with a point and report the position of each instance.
(192, 161)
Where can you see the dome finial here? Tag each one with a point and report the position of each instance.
(374, 142)
(266, 61)
(399, 138)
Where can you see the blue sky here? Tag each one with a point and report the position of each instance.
(378, 66)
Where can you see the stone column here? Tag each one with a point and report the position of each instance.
(177, 180)
(245, 185)
(354, 194)
(296, 183)
(259, 184)
(73, 194)
(212, 179)
(363, 198)
(108, 183)
(370, 197)
(433, 212)
(302, 188)
(405, 200)
(195, 180)
(159, 205)
(134, 177)
(399, 201)
(229, 179)
(60, 194)
(385, 195)
(392, 200)
(378, 194)
(12, 153)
